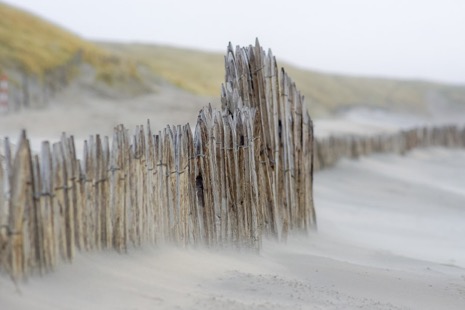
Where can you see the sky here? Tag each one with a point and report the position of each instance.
(408, 39)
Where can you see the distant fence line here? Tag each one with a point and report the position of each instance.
(331, 149)
(244, 173)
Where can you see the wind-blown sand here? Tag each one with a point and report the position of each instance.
(391, 229)
(390, 237)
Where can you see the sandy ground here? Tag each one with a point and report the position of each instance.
(390, 228)
(390, 237)
(80, 112)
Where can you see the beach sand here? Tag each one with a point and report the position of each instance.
(390, 228)
(390, 236)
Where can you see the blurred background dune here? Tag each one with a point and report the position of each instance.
(61, 81)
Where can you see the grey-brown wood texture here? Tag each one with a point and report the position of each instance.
(244, 174)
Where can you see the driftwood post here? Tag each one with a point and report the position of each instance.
(47, 206)
(21, 191)
(37, 220)
(149, 185)
(4, 199)
(117, 189)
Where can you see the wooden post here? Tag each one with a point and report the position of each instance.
(117, 190)
(5, 169)
(89, 211)
(220, 176)
(193, 224)
(37, 259)
(21, 191)
(184, 178)
(69, 182)
(255, 208)
(170, 185)
(149, 186)
(47, 206)
(157, 189)
(202, 181)
(106, 222)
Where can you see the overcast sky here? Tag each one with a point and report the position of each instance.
(422, 39)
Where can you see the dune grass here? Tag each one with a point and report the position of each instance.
(202, 73)
(196, 71)
(31, 44)
(35, 46)
(327, 92)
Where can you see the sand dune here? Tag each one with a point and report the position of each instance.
(390, 237)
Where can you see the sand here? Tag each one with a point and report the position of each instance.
(390, 237)
(80, 112)
(390, 230)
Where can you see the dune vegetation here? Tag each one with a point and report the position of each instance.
(329, 92)
(196, 71)
(35, 46)
(202, 73)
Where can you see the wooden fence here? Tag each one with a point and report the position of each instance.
(244, 173)
(329, 150)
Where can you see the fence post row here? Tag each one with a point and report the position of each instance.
(329, 150)
(245, 173)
